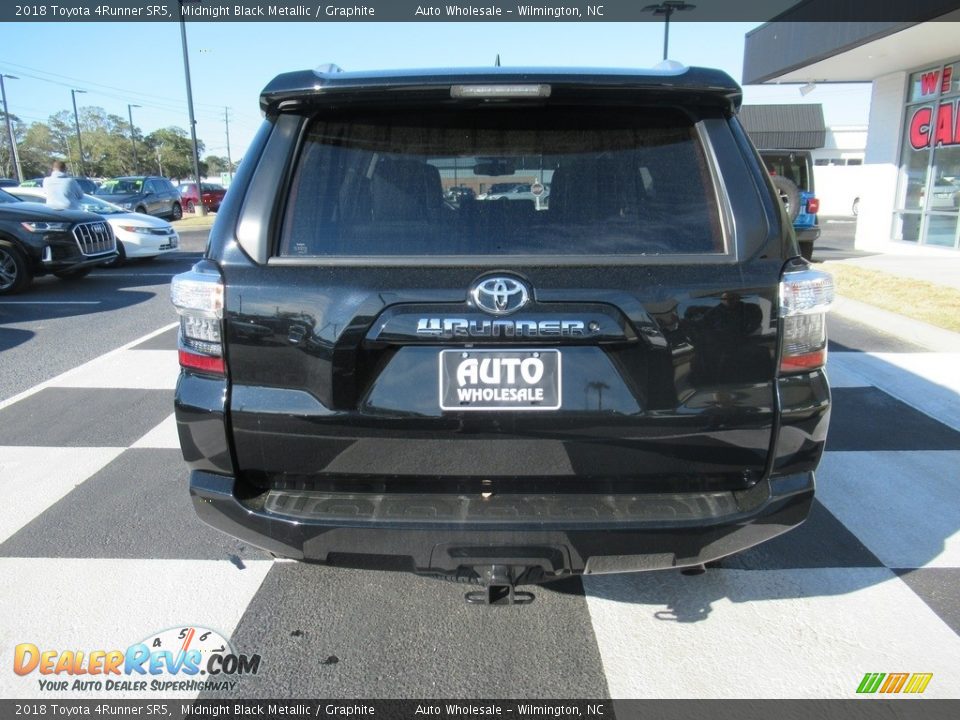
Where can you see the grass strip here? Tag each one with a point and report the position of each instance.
(195, 221)
(934, 304)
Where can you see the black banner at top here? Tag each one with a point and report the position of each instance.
(301, 709)
(827, 11)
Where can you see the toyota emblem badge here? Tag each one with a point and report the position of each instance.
(500, 295)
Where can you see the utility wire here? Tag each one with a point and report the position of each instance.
(86, 81)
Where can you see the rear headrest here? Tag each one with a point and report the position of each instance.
(592, 188)
(403, 189)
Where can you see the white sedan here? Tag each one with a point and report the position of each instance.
(138, 235)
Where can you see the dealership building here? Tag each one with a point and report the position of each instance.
(909, 194)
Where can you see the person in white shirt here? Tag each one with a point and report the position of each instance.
(63, 192)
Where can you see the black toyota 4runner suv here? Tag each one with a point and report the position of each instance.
(628, 377)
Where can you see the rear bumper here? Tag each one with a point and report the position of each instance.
(539, 536)
(808, 234)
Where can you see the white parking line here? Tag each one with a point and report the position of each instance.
(39, 476)
(926, 381)
(139, 369)
(901, 504)
(163, 436)
(52, 381)
(824, 626)
(114, 603)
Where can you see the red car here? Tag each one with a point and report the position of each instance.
(212, 196)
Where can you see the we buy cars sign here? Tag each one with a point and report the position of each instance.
(933, 129)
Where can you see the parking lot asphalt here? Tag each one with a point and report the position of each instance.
(100, 547)
(57, 325)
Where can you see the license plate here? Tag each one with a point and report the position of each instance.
(500, 379)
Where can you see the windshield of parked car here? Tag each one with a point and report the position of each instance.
(120, 186)
(620, 183)
(7, 197)
(792, 166)
(210, 187)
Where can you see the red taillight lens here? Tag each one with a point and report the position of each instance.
(805, 297)
(190, 360)
(802, 363)
(813, 206)
(198, 298)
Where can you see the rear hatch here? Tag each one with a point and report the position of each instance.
(611, 328)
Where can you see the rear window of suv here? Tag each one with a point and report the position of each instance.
(793, 166)
(591, 182)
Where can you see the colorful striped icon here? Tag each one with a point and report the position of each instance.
(887, 683)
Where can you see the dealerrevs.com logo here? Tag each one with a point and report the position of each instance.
(894, 683)
(190, 659)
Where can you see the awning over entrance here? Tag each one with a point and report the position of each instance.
(787, 127)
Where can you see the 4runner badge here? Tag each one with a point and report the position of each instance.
(500, 295)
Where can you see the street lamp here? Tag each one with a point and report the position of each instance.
(133, 137)
(13, 143)
(76, 120)
(201, 209)
(668, 8)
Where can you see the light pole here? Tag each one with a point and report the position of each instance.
(668, 8)
(133, 137)
(76, 120)
(193, 123)
(226, 119)
(14, 157)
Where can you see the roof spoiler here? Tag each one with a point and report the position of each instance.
(329, 83)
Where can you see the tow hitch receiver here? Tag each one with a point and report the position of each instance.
(498, 588)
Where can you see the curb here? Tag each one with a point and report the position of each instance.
(914, 331)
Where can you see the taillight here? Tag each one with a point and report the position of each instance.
(813, 206)
(805, 297)
(198, 298)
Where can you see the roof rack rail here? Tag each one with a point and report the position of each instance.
(670, 65)
(327, 69)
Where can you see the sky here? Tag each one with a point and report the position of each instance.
(230, 62)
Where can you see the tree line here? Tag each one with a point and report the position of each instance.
(108, 150)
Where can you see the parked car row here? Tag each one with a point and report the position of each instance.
(138, 235)
(145, 194)
(37, 240)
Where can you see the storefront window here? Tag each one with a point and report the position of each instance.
(942, 230)
(945, 196)
(951, 80)
(910, 227)
(915, 161)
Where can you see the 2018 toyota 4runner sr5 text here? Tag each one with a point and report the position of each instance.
(623, 372)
